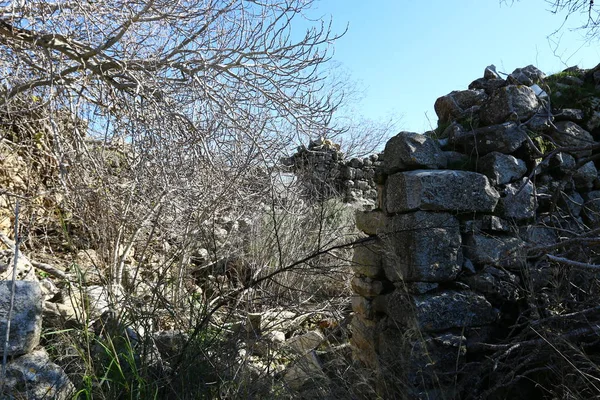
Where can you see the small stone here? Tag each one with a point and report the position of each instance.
(501, 168)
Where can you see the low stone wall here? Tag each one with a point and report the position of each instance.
(325, 171)
(469, 219)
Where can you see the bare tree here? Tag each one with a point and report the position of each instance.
(587, 9)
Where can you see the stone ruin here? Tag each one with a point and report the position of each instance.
(469, 219)
(325, 171)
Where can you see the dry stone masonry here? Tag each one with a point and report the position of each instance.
(463, 213)
(325, 170)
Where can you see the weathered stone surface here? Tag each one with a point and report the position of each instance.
(495, 283)
(34, 377)
(420, 287)
(426, 247)
(453, 105)
(503, 138)
(486, 223)
(585, 176)
(26, 322)
(489, 85)
(421, 362)
(569, 114)
(591, 208)
(364, 337)
(306, 342)
(573, 203)
(439, 190)
(304, 370)
(24, 272)
(536, 235)
(528, 75)
(367, 259)
(518, 100)
(366, 286)
(370, 222)
(569, 134)
(440, 311)
(490, 72)
(498, 250)
(362, 306)
(458, 161)
(501, 168)
(408, 150)
(519, 201)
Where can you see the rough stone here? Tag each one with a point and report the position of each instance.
(420, 363)
(503, 138)
(362, 306)
(495, 250)
(501, 168)
(366, 286)
(591, 208)
(34, 377)
(26, 321)
(421, 287)
(426, 247)
(519, 201)
(495, 283)
(439, 191)
(528, 75)
(367, 259)
(585, 176)
(520, 100)
(490, 72)
(306, 342)
(364, 337)
(453, 105)
(370, 222)
(441, 311)
(488, 85)
(569, 134)
(569, 114)
(409, 150)
(573, 203)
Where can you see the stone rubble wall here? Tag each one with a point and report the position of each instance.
(324, 170)
(460, 212)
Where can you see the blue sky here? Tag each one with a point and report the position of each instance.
(405, 54)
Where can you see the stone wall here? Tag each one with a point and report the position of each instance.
(475, 221)
(325, 170)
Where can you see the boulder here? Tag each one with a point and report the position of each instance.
(26, 321)
(454, 105)
(501, 168)
(439, 191)
(503, 138)
(408, 150)
(426, 247)
(591, 209)
(518, 102)
(34, 377)
(569, 134)
(528, 75)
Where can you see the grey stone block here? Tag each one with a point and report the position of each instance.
(426, 247)
(439, 191)
(26, 321)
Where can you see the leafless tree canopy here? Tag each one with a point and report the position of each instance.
(587, 9)
(206, 72)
